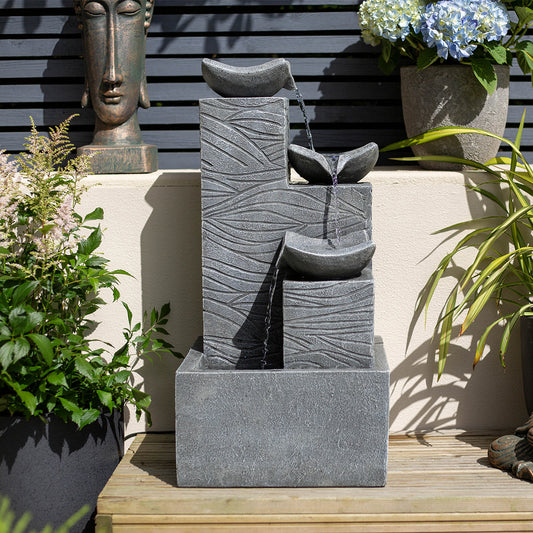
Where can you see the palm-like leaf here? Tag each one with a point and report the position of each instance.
(502, 268)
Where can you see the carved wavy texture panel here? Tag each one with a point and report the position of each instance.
(328, 324)
(247, 205)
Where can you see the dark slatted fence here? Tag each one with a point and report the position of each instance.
(350, 101)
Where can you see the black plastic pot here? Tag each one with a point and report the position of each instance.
(52, 469)
(526, 339)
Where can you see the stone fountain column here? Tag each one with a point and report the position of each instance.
(245, 418)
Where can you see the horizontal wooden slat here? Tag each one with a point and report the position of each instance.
(322, 115)
(190, 139)
(197, 45)
(195, 23)
(185, 67)
(388, 89)
(168, 92)
(36, 4)
(188, 115)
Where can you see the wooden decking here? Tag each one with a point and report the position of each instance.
(435, 484)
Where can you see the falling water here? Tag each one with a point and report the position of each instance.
(335, 182)
(301, 103)
(268, 315)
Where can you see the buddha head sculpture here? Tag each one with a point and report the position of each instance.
(114, 43)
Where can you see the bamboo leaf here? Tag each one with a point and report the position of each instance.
(496, 233)
(483, 340)
(509, 328)
(440, 133)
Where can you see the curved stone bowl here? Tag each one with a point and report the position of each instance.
(323, 259)
(259, 80)
(319, 169)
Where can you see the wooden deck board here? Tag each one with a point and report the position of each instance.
(435, 484)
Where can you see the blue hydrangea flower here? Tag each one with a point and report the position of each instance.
(457, 27)
(389, 19)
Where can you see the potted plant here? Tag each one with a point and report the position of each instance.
(454, 57)
(501, 271)
(61, 392)
(502, 265)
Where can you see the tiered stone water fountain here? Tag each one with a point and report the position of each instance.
(288, 387)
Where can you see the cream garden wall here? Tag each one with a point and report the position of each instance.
(152, 229)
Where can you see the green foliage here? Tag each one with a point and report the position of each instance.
(9, 523)
(51, 277)
(502, 268)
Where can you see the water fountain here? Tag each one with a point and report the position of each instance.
(288, 386)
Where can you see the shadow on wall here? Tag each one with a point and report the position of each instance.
(423, 402)
(489, 397)
(60, 102)
(171, 272)
(231, 23)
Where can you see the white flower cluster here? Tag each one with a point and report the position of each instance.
(389, 19)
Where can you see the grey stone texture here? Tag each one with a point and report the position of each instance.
(347, 167)
(326, 259)
(329, 324)
(247, 206)
(281, 428)
(258, 80)
(450, 95)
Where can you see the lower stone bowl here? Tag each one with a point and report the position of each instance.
(325, 259)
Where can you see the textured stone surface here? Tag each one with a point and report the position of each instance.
(247, 206)
(281, 428)
(348, 167)
(326, 259)
(328, 324)
(257, 80)
(450, 95)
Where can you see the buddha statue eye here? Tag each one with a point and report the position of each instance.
(128, 7)
(94, 9)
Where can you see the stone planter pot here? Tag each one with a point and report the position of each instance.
(450, 95)
(52, 469)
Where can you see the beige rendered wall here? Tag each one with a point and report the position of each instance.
(152, 229)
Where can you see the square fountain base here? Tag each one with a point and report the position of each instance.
(282, 428)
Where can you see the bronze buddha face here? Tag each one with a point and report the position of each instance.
(114, 40)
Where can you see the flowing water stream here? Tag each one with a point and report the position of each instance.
(301, 103)
(268, 315)
(334, 188)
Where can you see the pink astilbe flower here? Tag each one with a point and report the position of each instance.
(9, 198)
(65, 223)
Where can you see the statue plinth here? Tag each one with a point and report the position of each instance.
(134, 159)
(282, 428)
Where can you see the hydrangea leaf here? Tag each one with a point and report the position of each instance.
(485, 74)
(498, 52)
(427, 57)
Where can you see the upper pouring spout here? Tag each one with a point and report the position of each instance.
(255, 81)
